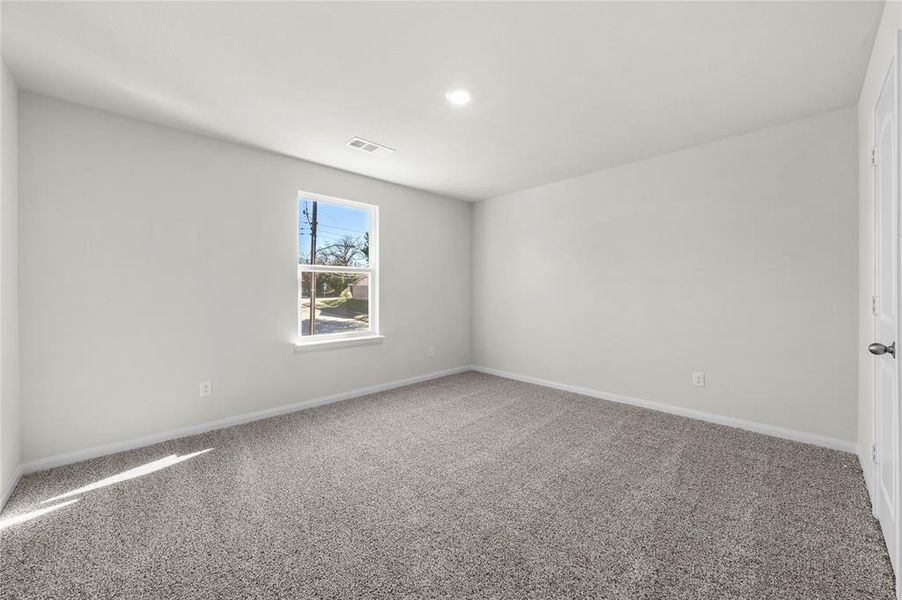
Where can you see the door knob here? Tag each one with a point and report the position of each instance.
(879, 349)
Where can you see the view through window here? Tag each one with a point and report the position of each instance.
(336, 268)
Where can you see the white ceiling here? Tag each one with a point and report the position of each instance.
(558, 89)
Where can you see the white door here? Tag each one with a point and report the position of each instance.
(886, 281)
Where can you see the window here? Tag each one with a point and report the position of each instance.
(337, 269)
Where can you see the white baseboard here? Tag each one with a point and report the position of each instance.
(48, 462)
(10, 486)
(57, 460)
(771, 430)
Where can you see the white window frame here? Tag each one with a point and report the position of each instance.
(372, 269)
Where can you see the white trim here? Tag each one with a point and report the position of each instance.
(771, 430)
(342, 342)
(334, 200)
(304, 268)
(49, 462)
(897, 466)
(11, 485)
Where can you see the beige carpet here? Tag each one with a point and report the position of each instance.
(468, 486)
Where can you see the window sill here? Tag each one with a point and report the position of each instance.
(339, 343)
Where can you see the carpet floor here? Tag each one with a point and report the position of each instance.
(468, 486)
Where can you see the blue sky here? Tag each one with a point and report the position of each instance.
(335, 222)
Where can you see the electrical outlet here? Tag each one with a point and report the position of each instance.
(430, 352)
(698, 379)
(206, 389)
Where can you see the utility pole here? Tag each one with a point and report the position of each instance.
(313, 273)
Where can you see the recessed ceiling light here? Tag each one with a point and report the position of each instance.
(458, 97)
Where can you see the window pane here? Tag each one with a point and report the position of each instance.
(342, 302)
(342, 234)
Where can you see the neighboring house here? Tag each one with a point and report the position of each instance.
(361, 289)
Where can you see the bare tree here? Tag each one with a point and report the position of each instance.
(347, 251)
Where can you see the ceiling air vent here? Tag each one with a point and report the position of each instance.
(370, 147)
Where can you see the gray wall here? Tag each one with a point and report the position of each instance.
(153, 259)
(9, 318)
(737, 258)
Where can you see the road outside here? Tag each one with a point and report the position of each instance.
(335, 315)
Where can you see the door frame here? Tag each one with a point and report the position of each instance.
(897, 52)
(894, 68)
